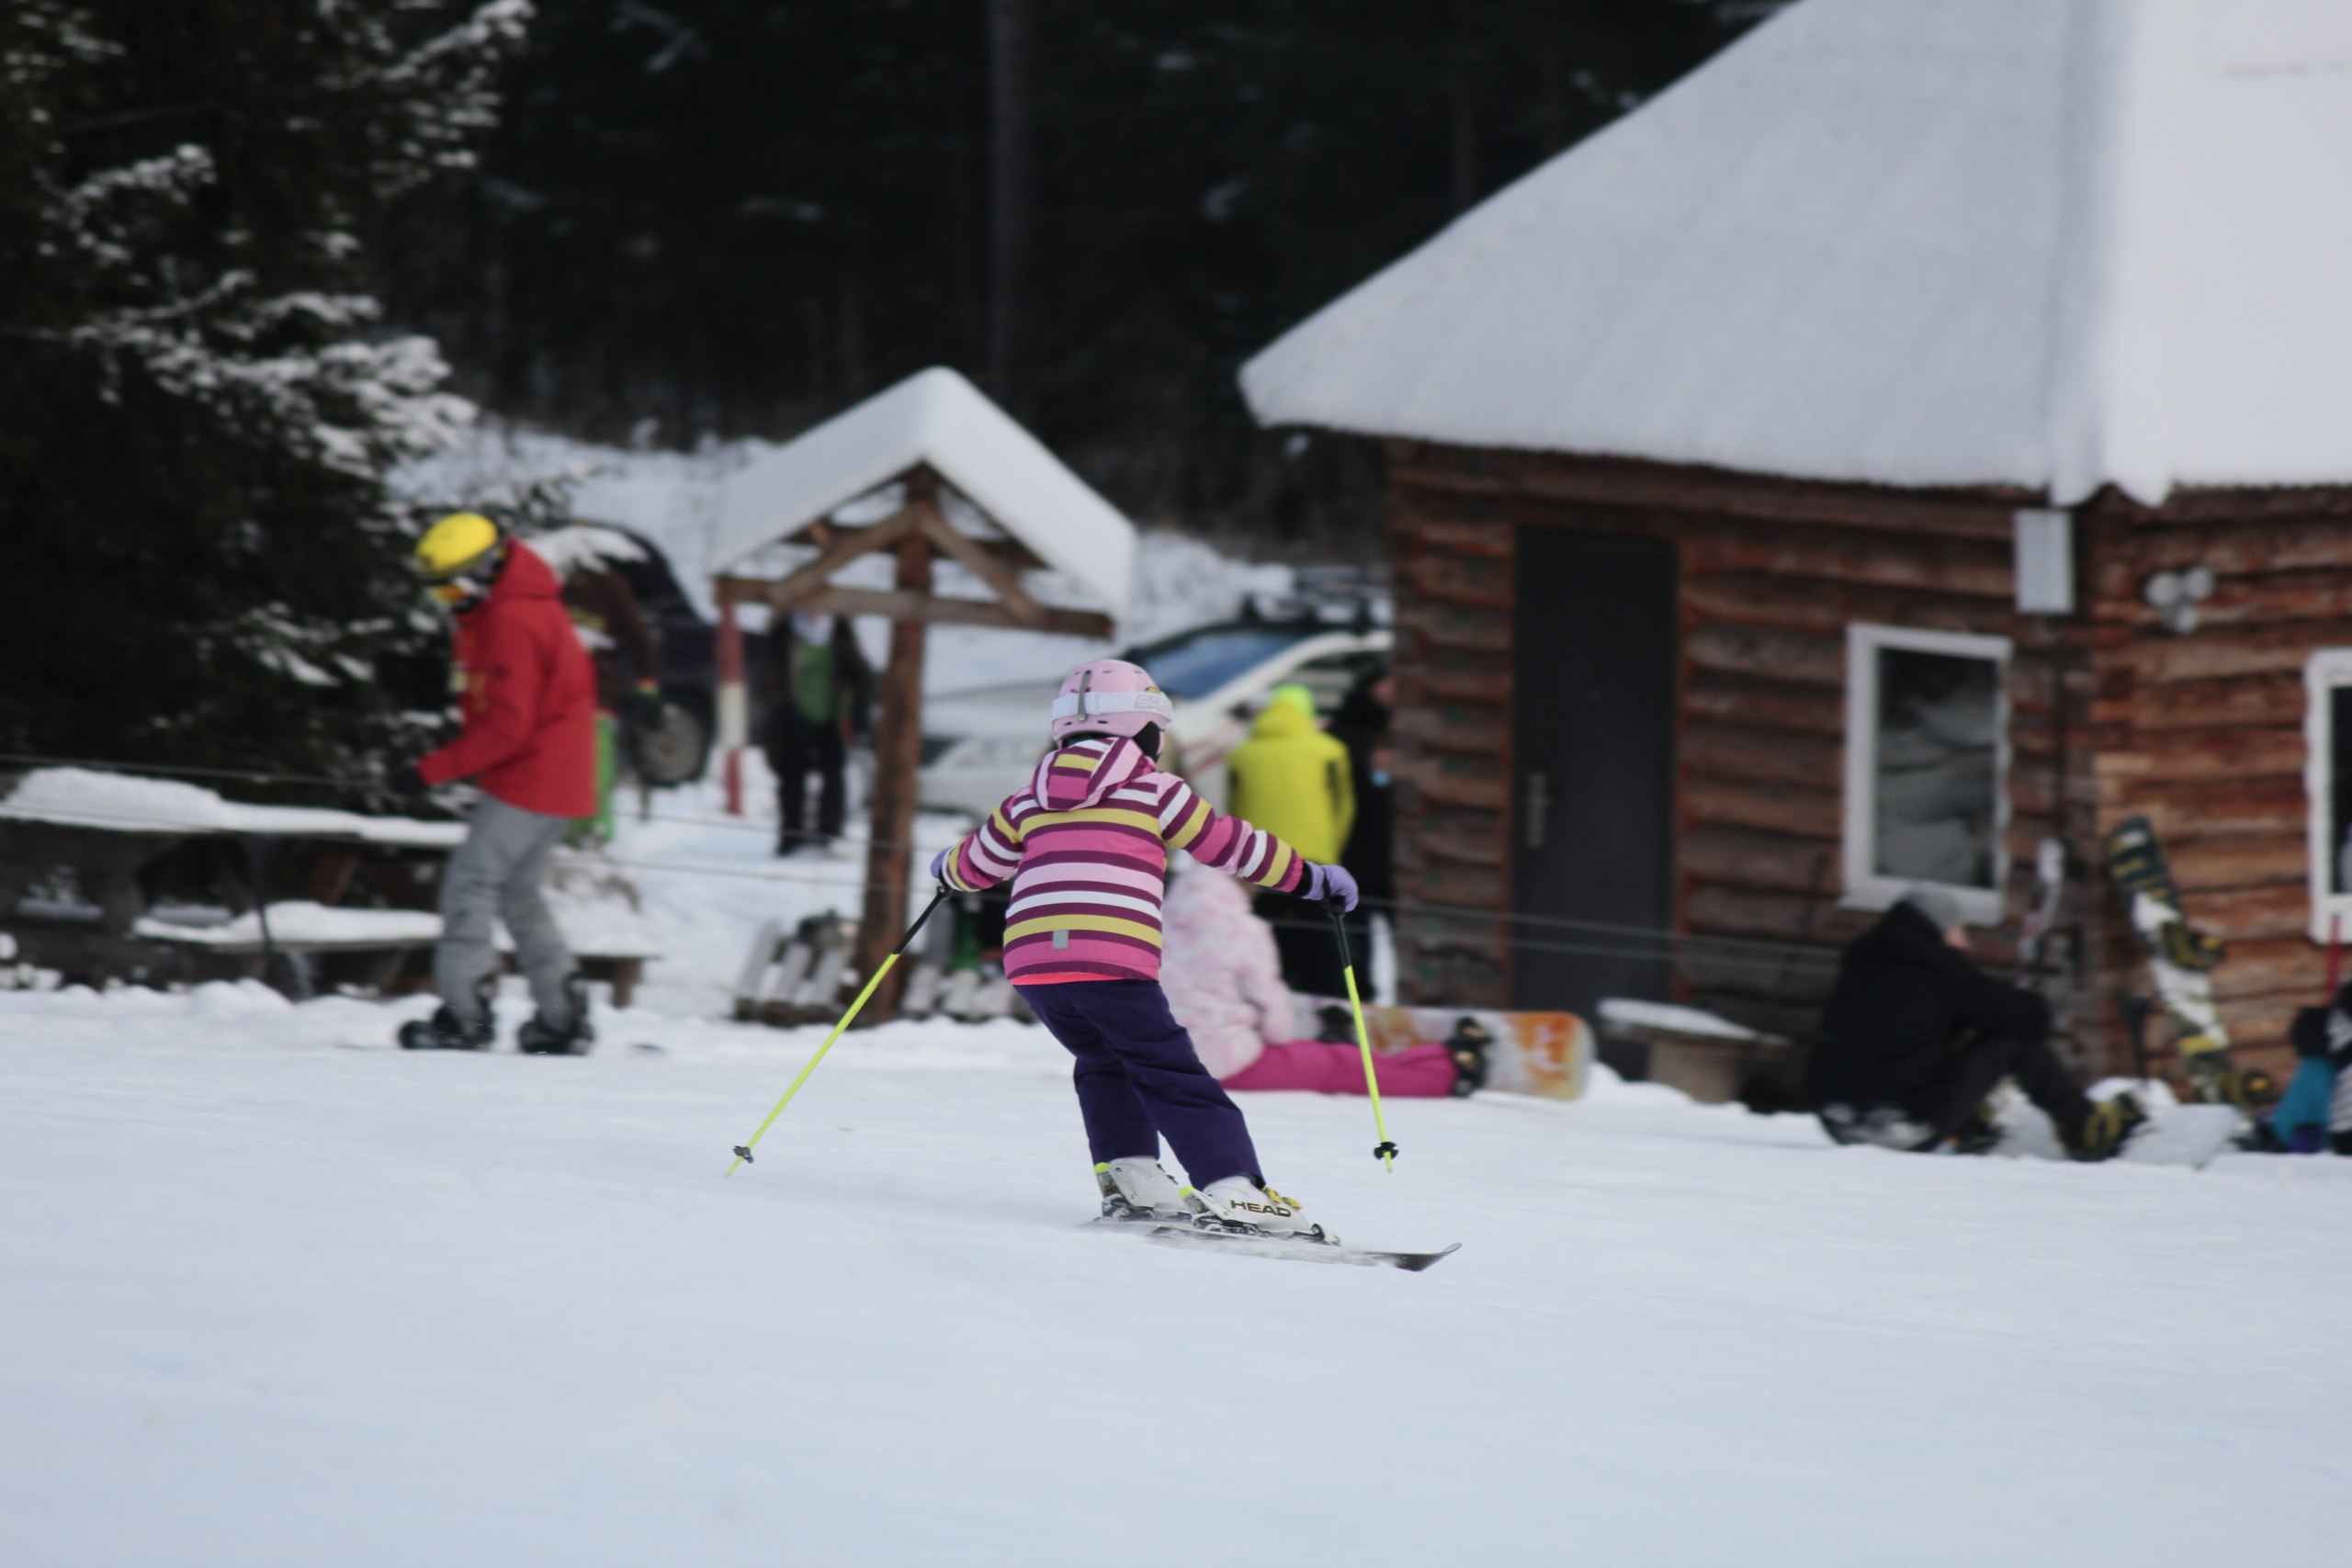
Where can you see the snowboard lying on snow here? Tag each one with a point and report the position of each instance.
(1548, 1054)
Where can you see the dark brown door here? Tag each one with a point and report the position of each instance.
(1594, 754)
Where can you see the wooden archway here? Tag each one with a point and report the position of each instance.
(916, 536)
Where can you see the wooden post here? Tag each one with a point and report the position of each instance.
(732, 715)
(898, 757)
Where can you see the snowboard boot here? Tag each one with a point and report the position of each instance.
(1980, 1133)
(444, 1031)
(2107, 1129)
(1237, 1204)
(1880, 1126)
(2215, 1080)
(1135, 1189)
(1468, 1045)
(540, 1038)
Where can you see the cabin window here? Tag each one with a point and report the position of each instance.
(1927, 766)
(2327, 784)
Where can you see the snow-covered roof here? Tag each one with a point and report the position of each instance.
(2048, 244)
(936, 417)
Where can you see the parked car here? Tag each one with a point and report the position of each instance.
(980, 744)
(677, 749)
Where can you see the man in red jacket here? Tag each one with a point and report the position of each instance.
(527, 692)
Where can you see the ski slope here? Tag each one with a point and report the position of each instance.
(266, 1299)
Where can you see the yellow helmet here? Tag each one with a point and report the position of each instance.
(459, 556)
(454, 545)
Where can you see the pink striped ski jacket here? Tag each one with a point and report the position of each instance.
(1086, 845)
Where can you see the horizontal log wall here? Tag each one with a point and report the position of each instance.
(2109, 716)
(1451, 730)
(2203, 732)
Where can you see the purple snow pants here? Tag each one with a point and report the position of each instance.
(1139, 1079)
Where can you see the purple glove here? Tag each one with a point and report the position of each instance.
(1329, 882)
(939, 865)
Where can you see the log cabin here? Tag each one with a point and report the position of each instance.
(1924, 432)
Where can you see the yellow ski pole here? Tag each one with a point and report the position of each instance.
(743, 1150)
(1385, 1152)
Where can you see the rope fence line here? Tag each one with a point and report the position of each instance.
(1635, 942)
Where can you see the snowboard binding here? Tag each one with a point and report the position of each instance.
(1470, 1045)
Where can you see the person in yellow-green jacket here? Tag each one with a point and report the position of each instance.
(1293, 780)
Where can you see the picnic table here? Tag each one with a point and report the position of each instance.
(105, 875)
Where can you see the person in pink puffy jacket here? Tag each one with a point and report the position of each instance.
(1224, 980)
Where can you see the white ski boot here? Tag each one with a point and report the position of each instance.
(1137, 1189)
(1237, 1204)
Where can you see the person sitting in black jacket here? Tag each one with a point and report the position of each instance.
(1916, 1035)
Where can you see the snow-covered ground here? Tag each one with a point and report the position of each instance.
(272, 1292)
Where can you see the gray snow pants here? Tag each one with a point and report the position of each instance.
(501, 873)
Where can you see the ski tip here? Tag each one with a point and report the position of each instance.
(1414, 1262)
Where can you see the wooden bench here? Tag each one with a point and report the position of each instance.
(1707, 1058)
(82, 850)
(392, 946)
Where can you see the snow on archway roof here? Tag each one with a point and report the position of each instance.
(936, 417)
(2049, 243)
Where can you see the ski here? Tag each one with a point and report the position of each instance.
(1253, 1245)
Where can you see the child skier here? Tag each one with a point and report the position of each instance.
(1086, 846)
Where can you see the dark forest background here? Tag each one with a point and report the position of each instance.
(246, 245)
(741, 216)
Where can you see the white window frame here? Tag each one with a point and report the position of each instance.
(2324, 672)
(1865, 888)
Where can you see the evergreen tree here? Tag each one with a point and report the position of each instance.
(743, 215)
(197, 399)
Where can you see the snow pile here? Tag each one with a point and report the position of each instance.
(2049, 243)
(599, 907)
(303, 1305)
(87, 797)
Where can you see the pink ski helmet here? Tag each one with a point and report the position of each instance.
(1109, 696)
